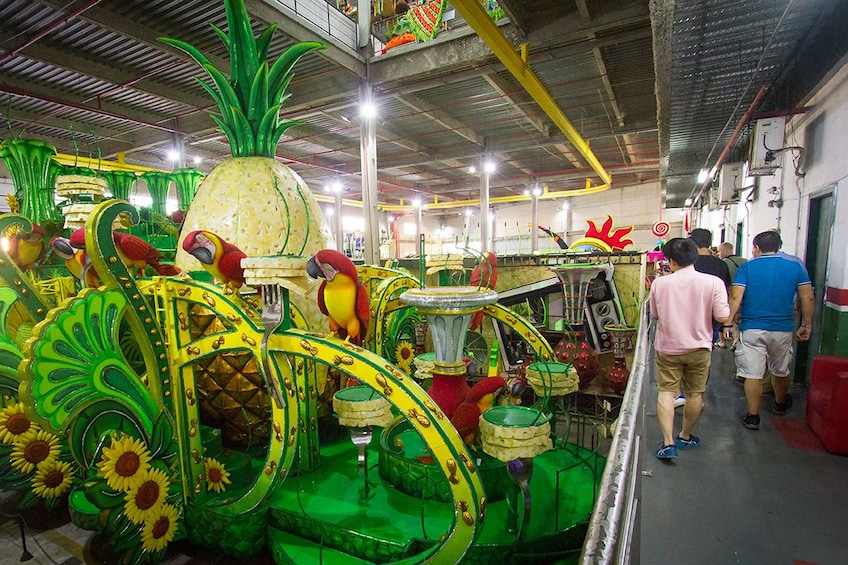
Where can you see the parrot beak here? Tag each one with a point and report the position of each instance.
(316, 269)
(203, 249)
(62, 247)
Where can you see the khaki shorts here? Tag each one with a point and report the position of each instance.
(761, 349)
(691, 370)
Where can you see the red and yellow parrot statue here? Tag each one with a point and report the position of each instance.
(27, 248)
(221, 259)
(466, 418)
(341, 297)
(484, 275)
(133, 251)
(76, 261)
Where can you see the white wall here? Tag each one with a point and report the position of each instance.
(637, 206)
(826, 168)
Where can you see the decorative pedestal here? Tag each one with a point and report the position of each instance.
(515, 435)
(448, 310)
(621, 336)
(359, 408)
(573, 347)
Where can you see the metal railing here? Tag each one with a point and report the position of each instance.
(611, 525)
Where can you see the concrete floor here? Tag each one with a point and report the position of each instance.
(770, 497)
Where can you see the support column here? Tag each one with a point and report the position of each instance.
(534, 221)
(337, 193)
(484, 208)
(368, 152)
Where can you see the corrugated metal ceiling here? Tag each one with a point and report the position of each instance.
(102, 82)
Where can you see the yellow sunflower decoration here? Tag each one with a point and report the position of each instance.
(52, 478)
(14, 424)
(217, 478)
(147, 495)
(123, 461)
(405, 353)
(159, 528)
(36, 446)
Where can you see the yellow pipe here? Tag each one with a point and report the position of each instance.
(101, 165)
(546, 195)
(483, 25)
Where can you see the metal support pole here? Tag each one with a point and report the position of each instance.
(368, 151)
(534, 222)
(337, 193)
(484, 210)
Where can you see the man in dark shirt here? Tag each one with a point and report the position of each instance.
(712, 265)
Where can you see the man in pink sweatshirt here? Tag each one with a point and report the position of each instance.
(683, 305)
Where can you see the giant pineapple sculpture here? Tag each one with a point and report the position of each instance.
(250, 200)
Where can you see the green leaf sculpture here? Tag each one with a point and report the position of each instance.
(74, 372)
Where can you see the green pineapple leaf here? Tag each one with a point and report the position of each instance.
(253, 87)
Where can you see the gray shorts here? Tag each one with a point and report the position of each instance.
(761, 349)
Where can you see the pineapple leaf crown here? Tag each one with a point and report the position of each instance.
(250, 100)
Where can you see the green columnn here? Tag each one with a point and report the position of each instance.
(250, 100)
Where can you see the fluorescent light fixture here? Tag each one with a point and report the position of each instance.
(472, 169)
(173, 155)
(197, 160)
(416, 203)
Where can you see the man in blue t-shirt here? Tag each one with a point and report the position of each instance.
(763, 295)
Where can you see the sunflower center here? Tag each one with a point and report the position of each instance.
(147, 495)
(18, 424)
(54, 479)
(405, 353)
(160, 528)
(215, 475)
(37, 451)
(127, 464)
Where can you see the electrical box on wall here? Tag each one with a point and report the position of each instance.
(766, 139)
(730, 180)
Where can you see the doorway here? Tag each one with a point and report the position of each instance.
(817, 253)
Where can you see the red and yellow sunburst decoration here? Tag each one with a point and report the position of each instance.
(604, 239)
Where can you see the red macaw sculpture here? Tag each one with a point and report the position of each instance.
(27, 248)
(466, 418)
(484, 275)
(341, 297)
(221, 259)
(133, 251)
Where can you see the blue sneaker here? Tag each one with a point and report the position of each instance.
(667, 452)
(693, 441)
(680, 400)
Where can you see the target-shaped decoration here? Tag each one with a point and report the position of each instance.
(661, 229)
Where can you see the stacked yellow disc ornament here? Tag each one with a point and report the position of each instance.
(361, 406)
(514, 432)
(76, 188)
(552, 379)
(288, 271)
(449, 262)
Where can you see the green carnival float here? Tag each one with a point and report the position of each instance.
(165, 407)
